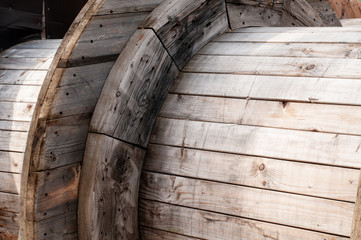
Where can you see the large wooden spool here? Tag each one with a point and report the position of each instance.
(245, 142)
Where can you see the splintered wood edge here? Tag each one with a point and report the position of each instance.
(41, 113)
(88, 178)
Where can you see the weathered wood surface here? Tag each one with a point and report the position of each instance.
(304, 89)
(148, 233)
(18, 93)
(11, 162)
(276, 66)
(306, 50)
(351, 22)
(39, 44)
(12, 141)
(127, 6)
(22, 77)
(332, 216)
(300, 13)
(28, 53)
(16, 111)
(297, 30)
(250, 140)
(25, 63)
(104, 37)
(10, 182)
(109, 189)
(326, 12)
(185, 27)
(14, 126)
(193, 222)
(273, 174)
(356, 222)
(347, 8)
(300, 36)
(136, 87)
(277, 114)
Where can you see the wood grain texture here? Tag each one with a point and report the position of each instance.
(326, 12)
(17, 93)
(10, 182)
(39, 44)
(148, 233)
(273, 174)
(284, 66)
(25, 63)
(304, 50)
(356, 221)
(305, 89)
(28, 53)
(11, 161)
(185, 27)
(332, 216)
(22, 77)
(300, 37)
(135, 89)
(245, 15)
(259, 141)
(105, 37)
(278, 114)
(109, 189)
(297, 29)
(300, 13)
(16, 111)
(14, 126)
(12, 141)
(196, 223)
(127, 6)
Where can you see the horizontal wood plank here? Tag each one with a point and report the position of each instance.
(13, 141)
(18, 93)
(278, 114)
(14, 126)
(155, 234)
(287, 209)
(22, 77)
(28, 53)
(305, 50)
(300, 37)
(11, 161)
(10, 182)
(39, 44)
(16, 111)
(298, 29)
(114, 6)
(305, 89)
(307, 179)
(321, 148)
(25, 63)
(214, 226)
(10, 202)
(280, 66)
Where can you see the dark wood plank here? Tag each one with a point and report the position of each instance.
(214, 226)
(105, 37)
(326, 12)
(109, 189)
(127, 6)
(185, 28)
(135, 89)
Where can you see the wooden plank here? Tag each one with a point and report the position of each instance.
(9, 202)
(241, 16)
(39, 44)
(17, 93)
(109, 189)
(148, 233)
(116, 6)
(351, 29)
(356, 222)
(284, 66)
(11, 234)
(288, 209)
(13, 141)
(58, 227)
(65, 142)
(306, 89)
(14, 126)
(57, 192)
(135, 89)
(300, 13)
(214, 226)
(105, 36)
(304, 50)
(22, 77)
(193, 27)
(79, 90)
(11, 161)
(326, 12)
(16, 111)
(25, 63)
(28, 53)
(353, 22)
(10, 182)
(294, 145)
(288, 115)
(306, 179)
(300, 37)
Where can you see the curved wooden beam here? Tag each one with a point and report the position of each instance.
(126, 111)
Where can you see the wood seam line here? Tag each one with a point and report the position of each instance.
(356, 221)
(242, 217)
(42, 109)
(120, 140)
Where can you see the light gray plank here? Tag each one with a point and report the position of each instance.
(28, 53)
(16, 111)
(11, 161)
(280, 66)
(298, 29)
(127, 6)
(22, 77)
(13, 141)
(321, 148)
(148, 233)
(25, 63)
(14, 126)
(214, 226)
(18, 93)
(273, 174)
(39, 44)
(10, 182)
(288, 209)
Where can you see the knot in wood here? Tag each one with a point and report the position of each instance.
(310, 67)
(261, 167)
